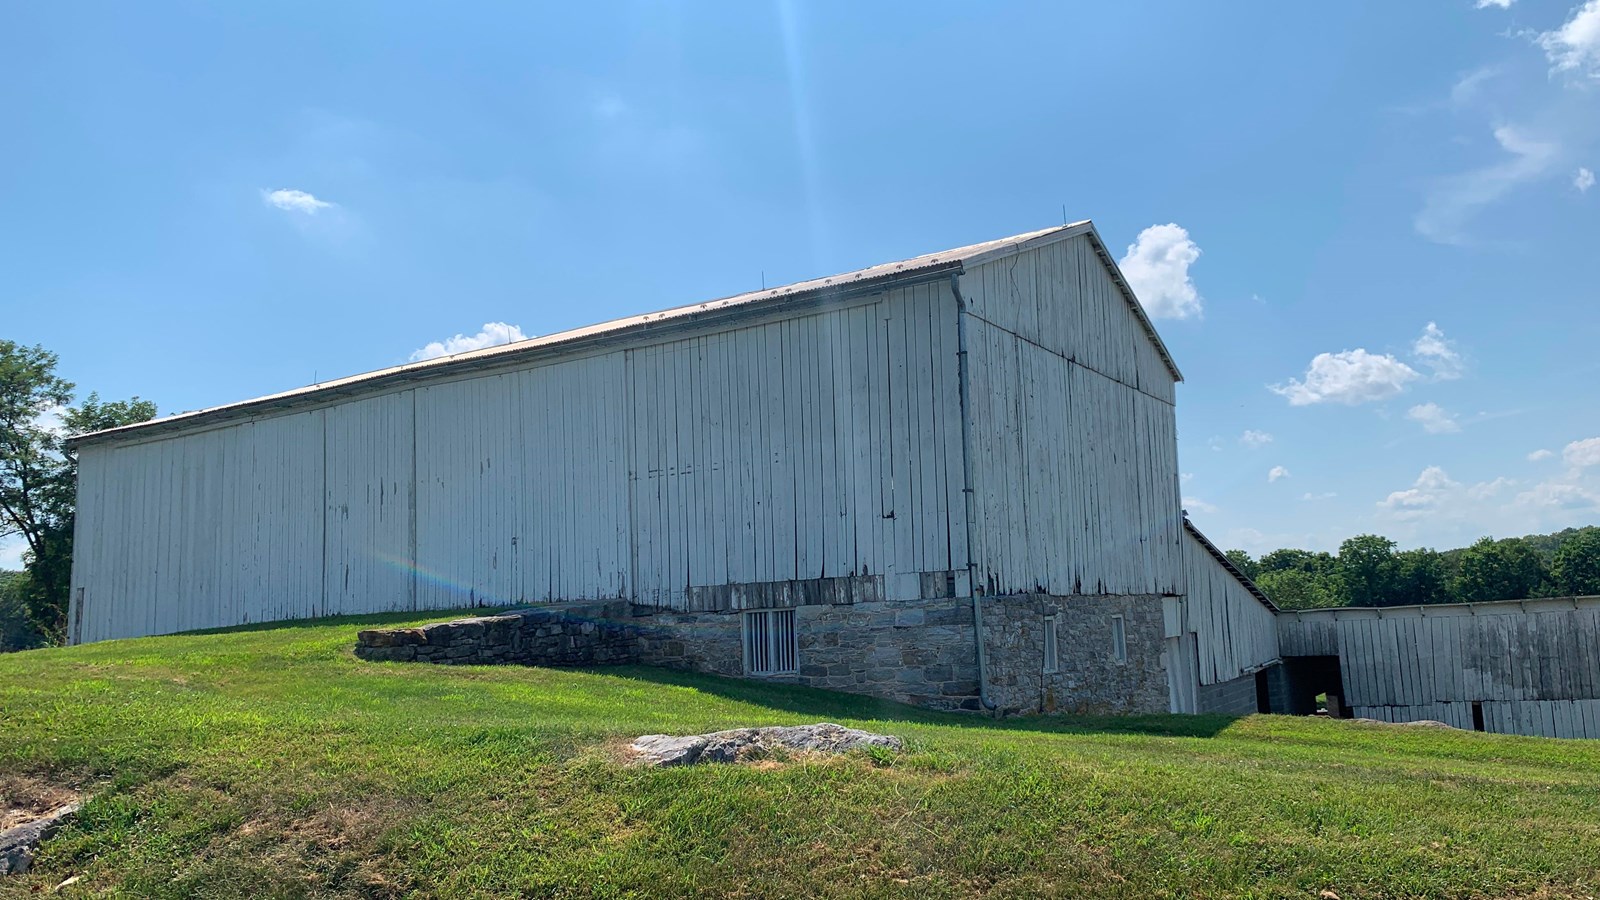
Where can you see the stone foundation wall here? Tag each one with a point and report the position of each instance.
(919, 652)
(548, 636)
(1089, 680)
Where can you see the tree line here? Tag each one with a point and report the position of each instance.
(1369, 571)
(39, 486)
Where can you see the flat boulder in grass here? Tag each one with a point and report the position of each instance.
(18, 845)
(731, 746)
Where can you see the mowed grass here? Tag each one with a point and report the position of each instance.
(272, 762)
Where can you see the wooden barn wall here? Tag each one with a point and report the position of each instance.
(1534, 666)
(1235, 633)
(815, 447)
(1074, 439)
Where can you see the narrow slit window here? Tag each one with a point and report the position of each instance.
(1052, 661)
(1119, 639)
(771, 643)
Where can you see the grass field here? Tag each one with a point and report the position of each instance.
(271, 762)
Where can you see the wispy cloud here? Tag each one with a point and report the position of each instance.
(1501, 4)
(1539, 455)
(1195, 504)
(493, 334)
(1456, 200)
(1438, 353)
(1433, 418)
(1254, 439)
(1313, 498)
(1157, 268)
(1583, 179)
(1574, 48)
(294, 201)
(1276, 473)
(1582, 454)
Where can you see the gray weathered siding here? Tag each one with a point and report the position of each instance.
(1534, 665)
(1073, 431)
(698, 470)
(1235, 633)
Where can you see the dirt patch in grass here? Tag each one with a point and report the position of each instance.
(24, 798)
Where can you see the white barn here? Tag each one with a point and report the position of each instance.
(922, 467)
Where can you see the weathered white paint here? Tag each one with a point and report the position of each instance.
(1235, 633)
(1534, 665)
(816, 446)
(689, 460)
(1073, 431)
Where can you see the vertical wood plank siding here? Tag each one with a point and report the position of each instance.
(1073, 429)
(1235, 633)
(1532, 664)
(820, 446)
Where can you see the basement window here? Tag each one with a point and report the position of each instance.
(771, 643)
(1119, 639)
(1052, 659)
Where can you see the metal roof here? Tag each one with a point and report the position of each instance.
(1228, 564)
(882, 276)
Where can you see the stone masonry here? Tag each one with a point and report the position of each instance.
(918, 652)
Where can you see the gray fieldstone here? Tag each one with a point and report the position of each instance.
(744, 743)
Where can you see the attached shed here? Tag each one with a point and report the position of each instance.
(1222, 636)
(884, 457)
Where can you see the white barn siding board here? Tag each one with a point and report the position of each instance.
(1235, 633)
(820, 445)
(1074, 468)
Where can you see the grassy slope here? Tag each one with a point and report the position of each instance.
(272, 761)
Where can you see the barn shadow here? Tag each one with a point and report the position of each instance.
(826, 705)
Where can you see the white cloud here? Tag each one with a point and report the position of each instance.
(493, 334)
(294, 201)
(1455, 200)
(1485, 4)
(1157, 268)
(1433, 418)
(1583, 180)
(1445, 511)
(1349, 377)
(1255, 439)
(1438, 353)
(1277, 473)
(1195, 504)
(1185, 477)
(1575, 46)
(1538, 455)
(1327, 495)
(1582, 454)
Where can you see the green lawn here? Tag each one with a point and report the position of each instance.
(271, 762)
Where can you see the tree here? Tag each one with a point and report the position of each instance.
(38, 475)
(1297, 589)
(1242, 561)
(1422, 577)
(16, 630)
(1368, 572)
(1509, 569)
(1575, 569)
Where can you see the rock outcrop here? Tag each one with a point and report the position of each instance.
(17, 845)
(747, 743)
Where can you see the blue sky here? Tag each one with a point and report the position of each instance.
(1370, 229)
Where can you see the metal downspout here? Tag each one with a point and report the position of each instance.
(966, 488)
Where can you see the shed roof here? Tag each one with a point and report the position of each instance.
(879, 277)
(1228, 564)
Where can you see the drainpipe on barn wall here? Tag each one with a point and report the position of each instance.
(966, 487)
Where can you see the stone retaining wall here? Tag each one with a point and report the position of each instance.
(919, 652)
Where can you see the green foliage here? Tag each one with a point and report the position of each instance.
(270, 762)
(38, 476)
(1575, 569)
(1242, 561)
(1297, 589)
(16, 629)
(1507, 569)
(1368, 571)
(1421, 577)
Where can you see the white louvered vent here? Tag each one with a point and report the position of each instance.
(771, 643)
(1052, 662)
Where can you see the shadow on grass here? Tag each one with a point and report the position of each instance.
(807, 701)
